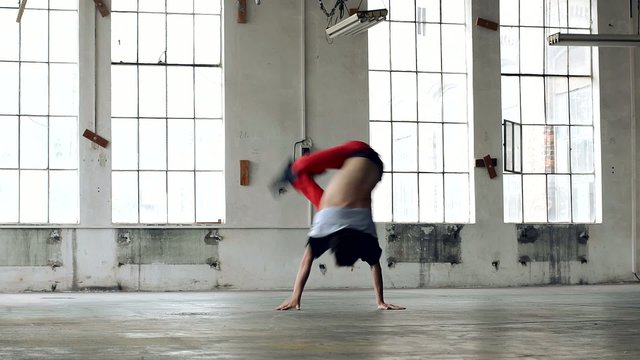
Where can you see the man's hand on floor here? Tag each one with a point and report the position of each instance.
(289, 304)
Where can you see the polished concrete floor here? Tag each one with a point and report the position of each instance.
(569, 322)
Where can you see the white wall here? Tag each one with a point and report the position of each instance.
(284, 82)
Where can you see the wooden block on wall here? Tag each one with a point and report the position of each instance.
(244, 172)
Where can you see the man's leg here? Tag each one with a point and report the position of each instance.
(306, 167)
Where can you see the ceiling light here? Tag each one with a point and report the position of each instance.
(357, 23)
(594, 40)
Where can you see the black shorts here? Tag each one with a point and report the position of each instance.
(348, 245)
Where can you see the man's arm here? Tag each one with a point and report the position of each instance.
(301, 280)
(376, 273)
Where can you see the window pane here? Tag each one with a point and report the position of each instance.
(34, 85)
(33, 196)
(404, 99)
(531, 12)
(580, 58)
(533, 149)
(431, 198)
(63, 4)
(531, 49)
(557, 157)
(34, 36)
(124, 144)
(180, 91)
(580, 14)
(151, 5)
(179, 6)
(583, 198)
(379, 47)
(403, 46)
(454, 48)
(9, 88)
(63, 143)
(153, 144)
(153, 197)
(509, 12)
(559, 198)
(405, 147)
(209, 145)
(511, 98)
(556, 56)
(428, 46)
(34, 142)
(405, 197)
(207, 6)
(582, 152)
(124, 37)
(533, 106)
(63, 195)
(123, 5)
(181, 197)
(9, 190)
(428, 10)
(454, 98)
(124, 203)
(512, 198)
(430, 97)
(208, 92)
(381, 200)
(379, 95)
(453, 11)
(181, 145)
(207, 39)
(557, 100)
(63, 37)
(517, 148)
(534, 190)
(580, 101)
(431, 147)
(380, 140)
(153, 91)
(152, 35)
(210, 197)
(8, 142)
(401, 10)
(456, 195)
(63, 94)
(508, 146)
(456, 148)
(9, 29)
(510, 49)
(124, 91)
(180, 39)
(556, 13)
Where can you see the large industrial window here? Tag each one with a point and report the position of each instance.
(39, 112)
(418, 110)
(167, 127)
(550, 129)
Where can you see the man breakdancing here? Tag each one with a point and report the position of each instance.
(344, 222)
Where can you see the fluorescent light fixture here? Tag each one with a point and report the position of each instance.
(357, 23)
(594, 40)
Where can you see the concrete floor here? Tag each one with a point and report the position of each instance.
(569, 322)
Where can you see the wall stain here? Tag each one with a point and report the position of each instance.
(423, 243)
(559, 245)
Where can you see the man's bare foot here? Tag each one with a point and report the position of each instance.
(385, 306)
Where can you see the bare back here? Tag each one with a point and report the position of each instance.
(351, 186)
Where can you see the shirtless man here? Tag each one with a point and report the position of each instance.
(343, 223)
